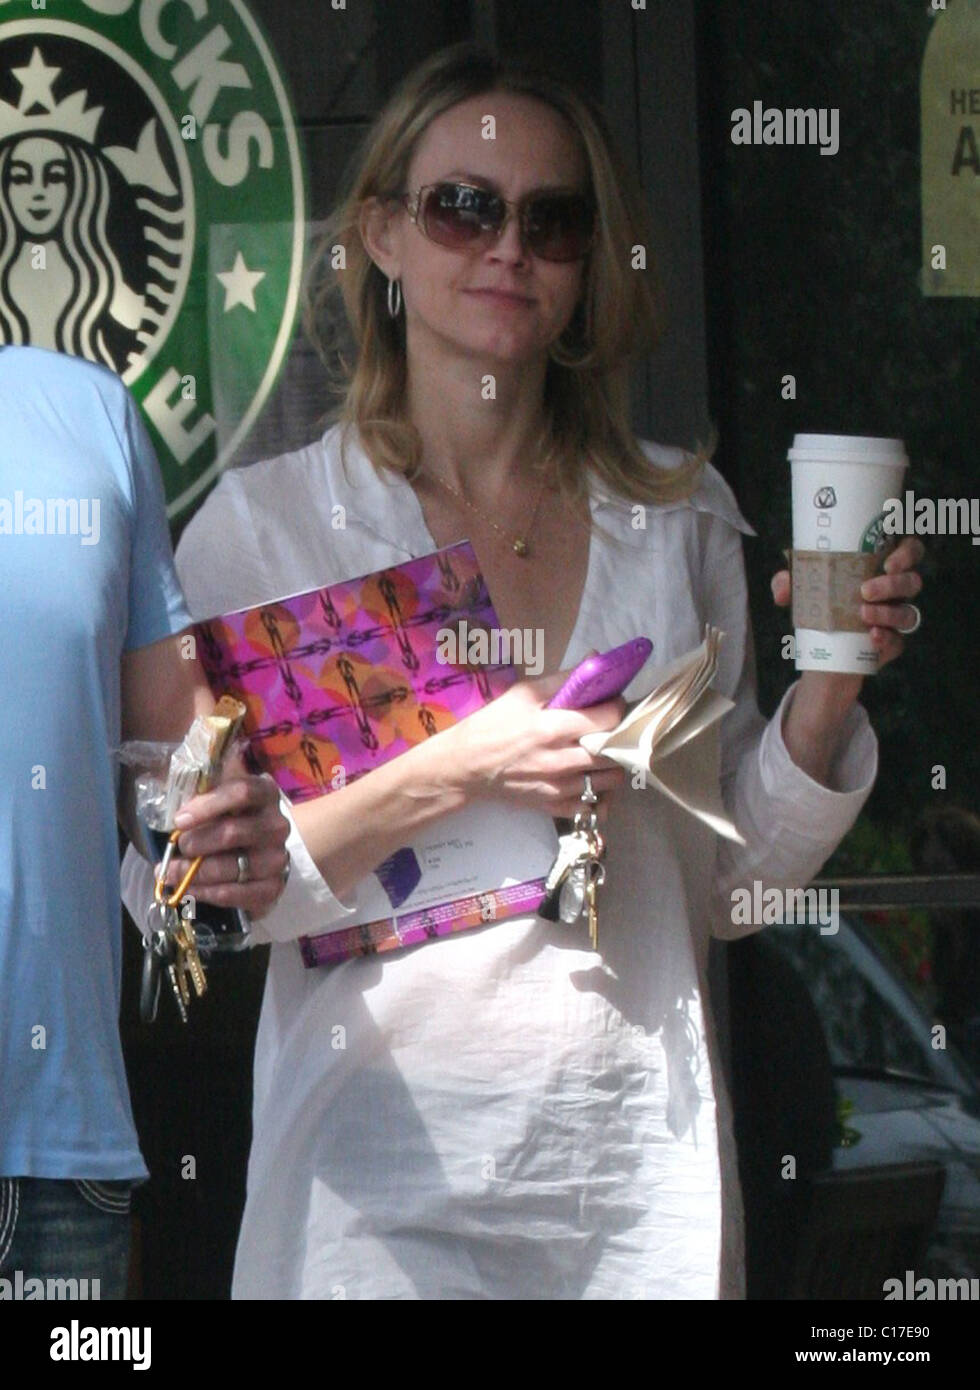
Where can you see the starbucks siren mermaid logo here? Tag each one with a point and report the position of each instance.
(63, 194)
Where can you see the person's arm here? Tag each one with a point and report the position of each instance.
(162, 692)
(791, 821)
(511, 750)
(163, 688)
(160, 696)
(815, 719)
(220, 567)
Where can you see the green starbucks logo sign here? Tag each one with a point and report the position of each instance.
(153, 210)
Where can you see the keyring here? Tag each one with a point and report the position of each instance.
(159, 890)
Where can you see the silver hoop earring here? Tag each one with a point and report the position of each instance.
(394, 298)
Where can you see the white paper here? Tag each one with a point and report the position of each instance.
(463, 855)
(671, 736)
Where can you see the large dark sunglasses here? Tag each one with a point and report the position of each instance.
(462, 217)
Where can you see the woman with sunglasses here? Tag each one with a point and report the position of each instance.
(506, 1113)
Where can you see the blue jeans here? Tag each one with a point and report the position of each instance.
(66, 1228)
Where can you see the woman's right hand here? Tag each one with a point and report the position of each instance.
(515, 748)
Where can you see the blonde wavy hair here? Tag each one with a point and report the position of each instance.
(588, 377)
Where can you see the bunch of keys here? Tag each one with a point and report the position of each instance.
(578, 871)
(171, 946)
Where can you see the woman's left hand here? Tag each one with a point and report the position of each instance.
(885, 610)
(241, 832)
(815, 717)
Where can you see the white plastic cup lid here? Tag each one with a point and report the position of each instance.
(846, 448)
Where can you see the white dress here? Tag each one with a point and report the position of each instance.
(503, 1113)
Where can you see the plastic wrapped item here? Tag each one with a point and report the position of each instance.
(149, 788)
(171, 774)
(165, 777)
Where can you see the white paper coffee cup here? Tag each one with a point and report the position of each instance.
(840, 485)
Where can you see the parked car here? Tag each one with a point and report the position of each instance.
(837, 1062)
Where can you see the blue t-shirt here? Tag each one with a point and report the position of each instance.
(86, 573)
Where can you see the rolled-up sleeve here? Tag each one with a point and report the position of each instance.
(308, 905)
(791, 823)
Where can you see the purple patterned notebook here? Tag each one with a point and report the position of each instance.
(339, 680)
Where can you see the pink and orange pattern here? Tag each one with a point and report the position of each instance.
(339, 680)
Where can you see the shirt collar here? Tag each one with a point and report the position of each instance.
(381, 501)
(385, 503)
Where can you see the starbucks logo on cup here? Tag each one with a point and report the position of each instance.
(825, 497)
(153, 211)
(874, 540)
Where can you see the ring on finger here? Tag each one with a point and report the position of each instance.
(907, 631)
(243, 868)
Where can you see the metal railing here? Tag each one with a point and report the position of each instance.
(884, 891)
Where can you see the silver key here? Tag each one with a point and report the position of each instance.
(178, 986)
(571, 894)
(574, 850)
(177, 962)
(154, 950)
(166, 923)
(574, 894)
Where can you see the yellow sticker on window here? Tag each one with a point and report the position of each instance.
(950, 103)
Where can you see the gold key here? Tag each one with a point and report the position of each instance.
(595, 876)
(186, 938)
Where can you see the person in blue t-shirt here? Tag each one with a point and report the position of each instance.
(90, 609)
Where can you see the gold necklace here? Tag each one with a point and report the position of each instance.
(518, 544)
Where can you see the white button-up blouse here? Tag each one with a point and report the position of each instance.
(503, 1113)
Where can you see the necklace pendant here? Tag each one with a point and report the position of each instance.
(520, 547)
